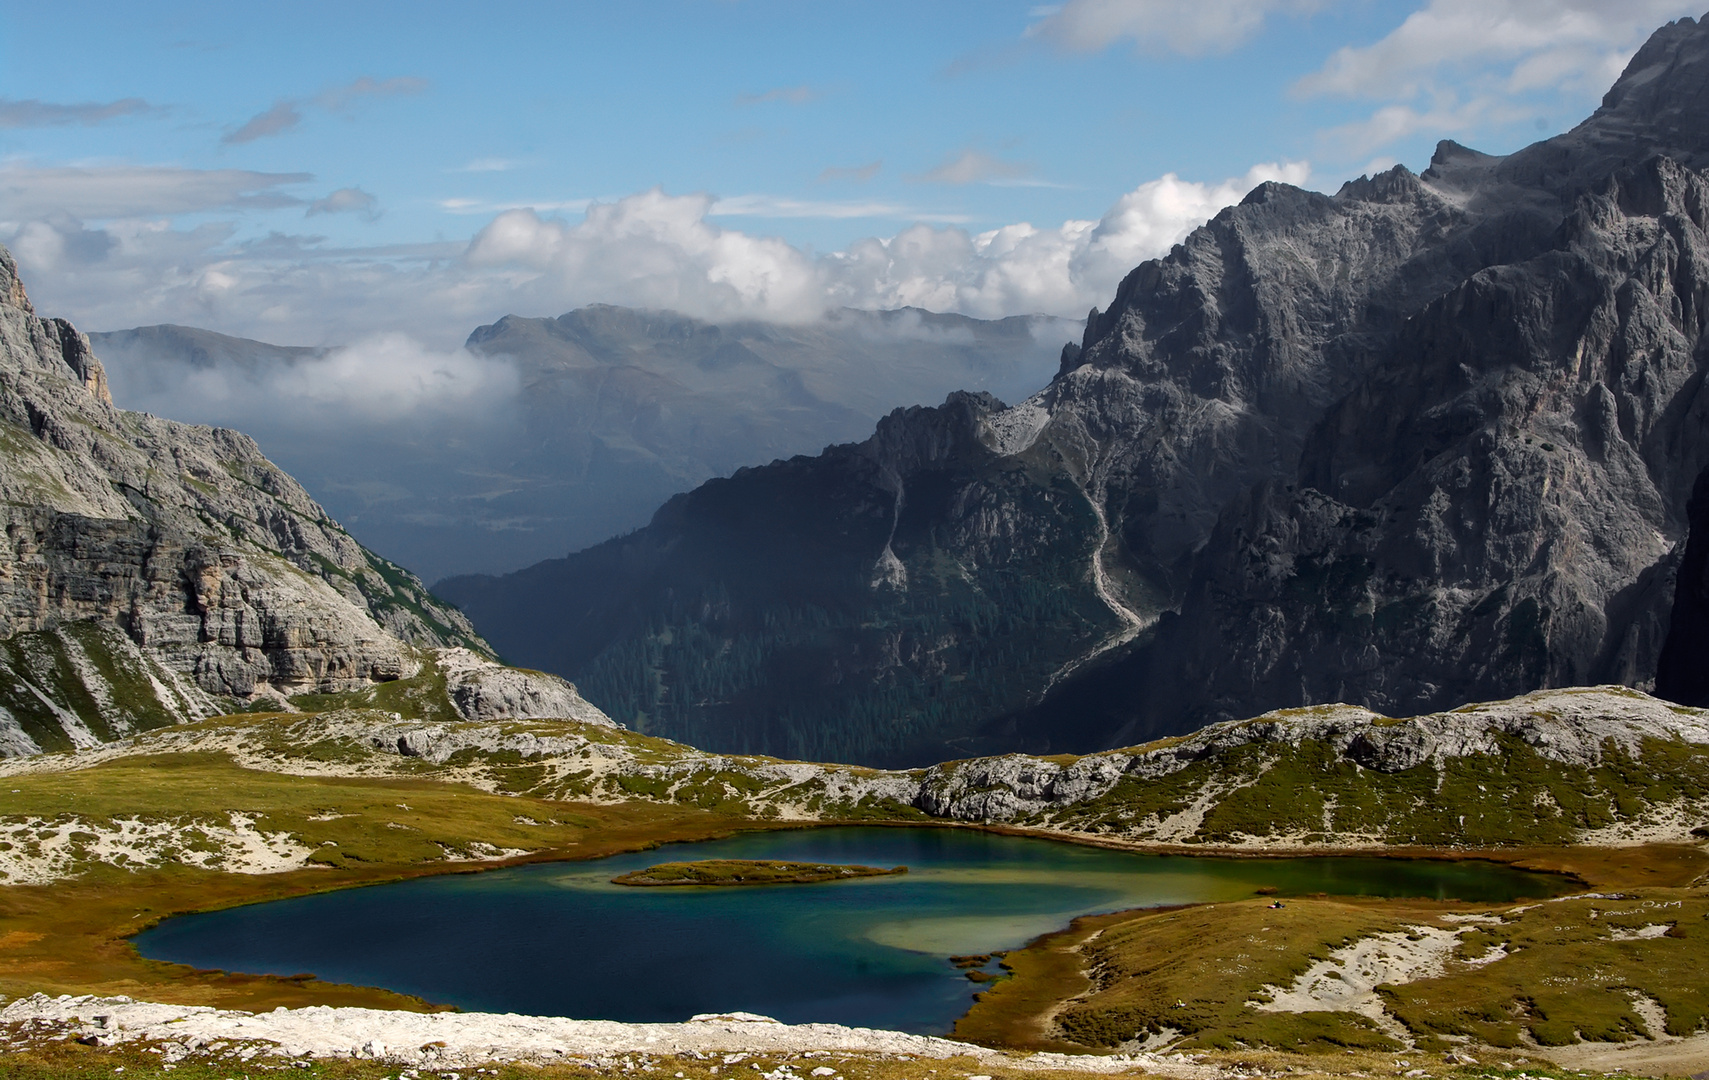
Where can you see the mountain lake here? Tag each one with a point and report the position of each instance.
(560, 939)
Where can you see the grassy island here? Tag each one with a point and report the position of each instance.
(749, 872)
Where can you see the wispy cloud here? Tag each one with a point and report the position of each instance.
(488, 206)
(792, 95)
(98, 193)
(1443, 115)
(1453, 67)
(282, 117)
(339, 98)
(1533, 44)
(347, 201)
(972, 166)
(30, 113)
(1029, 182)
(777, 207)
(858, 173)
(1155, 26)
(487, 164)
(286, 114)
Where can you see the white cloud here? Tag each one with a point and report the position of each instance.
(1020, 268)
(655, 250)
(1204, 26)
(1550, 39)
(647, 250)
(652, 250)
(34, 114)
(1463, 64)
(380, 378)
(96, 192)
(386, 377)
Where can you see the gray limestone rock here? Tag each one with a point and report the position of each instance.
(483, 690)
(205, 559)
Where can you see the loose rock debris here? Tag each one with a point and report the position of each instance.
(442, 1041)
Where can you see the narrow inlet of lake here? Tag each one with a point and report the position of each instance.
(559, 939)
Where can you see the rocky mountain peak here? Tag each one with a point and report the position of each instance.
(1427, 441)
(1658, 106)
(149, 569)
(1666, 80)
(11, 286)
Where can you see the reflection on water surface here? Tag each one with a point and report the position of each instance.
(560, 939)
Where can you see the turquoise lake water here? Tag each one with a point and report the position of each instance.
(559, 939)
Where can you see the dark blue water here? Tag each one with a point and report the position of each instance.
(559, 939)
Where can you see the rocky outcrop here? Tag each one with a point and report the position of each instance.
(483, 690)
(1427, 441)
(189, 552)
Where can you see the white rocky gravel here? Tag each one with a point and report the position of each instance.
(461, 1040)
(38, 851)
(1347, 980)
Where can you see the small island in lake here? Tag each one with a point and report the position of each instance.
(749, 872)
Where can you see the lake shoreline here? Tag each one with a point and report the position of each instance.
(971, 892)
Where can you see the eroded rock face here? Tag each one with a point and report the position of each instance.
(186, 539)
(1572, 728)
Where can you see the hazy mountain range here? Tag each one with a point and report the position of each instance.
(543, 436)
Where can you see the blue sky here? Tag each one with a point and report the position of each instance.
(318, 172)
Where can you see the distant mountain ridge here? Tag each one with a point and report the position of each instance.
(605, 413)
(153, 572)
(1427, 441)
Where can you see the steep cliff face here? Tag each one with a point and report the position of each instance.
(1426, 441)
(176, 554)
(863, 604)
(1682, 674)
(1486, 511)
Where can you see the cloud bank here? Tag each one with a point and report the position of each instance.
(129, 191)
(651, 249)
(380, 379)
